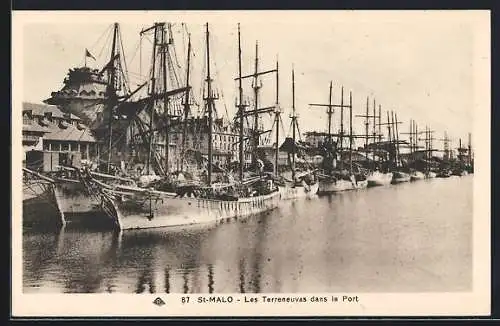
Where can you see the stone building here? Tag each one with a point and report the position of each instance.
(46, 127)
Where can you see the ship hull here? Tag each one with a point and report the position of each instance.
(430, 175)
(378, 179)
(77, 206)
(142, 211)
(417, 176)
(362, 184)
(443, 174)
(327, 186)
(400, 177)
(302, 191)
(39, 205)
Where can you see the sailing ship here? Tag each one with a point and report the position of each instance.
(374, 167)
(301, 183)
(38, 200)
(94, 96)
(430, 171)
(209, 204)
(464, 161)
(334, 177)
(43, 166)
(415, 173)
(102, 100)
(400, 173)
(381, 175)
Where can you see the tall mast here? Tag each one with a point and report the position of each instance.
(379, 129)
(209, 104)
(257, 110)
(256, 88)
(394, 139)
(165, 97)
(294, 121)
(367, 117)
(374, 130)
(330, 107)
(366, 126)
(426, 149)
(469, 150)
(342, 119)
(415, 137)
(397, 136)
(389, 132)
(241, 109)
(152, 104)
(112, 94)
(186, 104)
(374, 122)
(379, 123)
(411, 136)
(330, 113)
(416, 142)
(429, 145)
(350, 132)
(389, 128)
(277, 121)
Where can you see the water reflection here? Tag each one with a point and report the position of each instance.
(411, 237)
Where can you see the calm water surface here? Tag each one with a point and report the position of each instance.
(401, 238)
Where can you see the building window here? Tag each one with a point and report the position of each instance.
(26, 120)
(64, 147)
(83, 151)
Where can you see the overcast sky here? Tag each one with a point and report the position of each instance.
(419, 64)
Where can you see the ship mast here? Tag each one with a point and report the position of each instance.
(166, 112)
(367, 117)
(350, 132)
(256, 88)
(329, 112)
(256, 111)
(112, 94)
(366, 128)
(153, 96)
(241, 109)
(186, 104)
(341, 136)
(397, 136)
(469, 151)
(415, 136)
(428, 145)
(389, 135)
(379, 132)
(411, 139)
(374, 122)
(294, 123)
(277, 113)
(209, 105)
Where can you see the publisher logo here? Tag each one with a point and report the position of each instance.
(159, 302)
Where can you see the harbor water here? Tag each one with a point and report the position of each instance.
(410, 237)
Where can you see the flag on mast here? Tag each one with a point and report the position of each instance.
(88, 54)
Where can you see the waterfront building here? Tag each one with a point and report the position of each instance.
(46, 127)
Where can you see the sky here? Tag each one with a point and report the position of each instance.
(420, 65)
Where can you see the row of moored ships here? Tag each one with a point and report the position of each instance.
(158, 163)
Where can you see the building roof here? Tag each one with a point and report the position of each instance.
(41, 109)
(35, 127)
(56, 132)
(70, 133)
